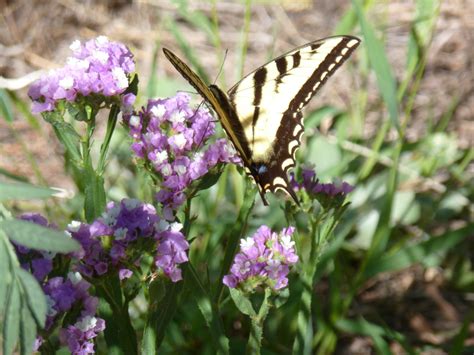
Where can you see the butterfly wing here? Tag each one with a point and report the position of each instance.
(268, 104)
(219, 102)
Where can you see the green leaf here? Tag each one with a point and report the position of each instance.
(6, 275)
(95, 199)
(35, 236)
(361, 326)
(22, 191)
(324, 155)
(406, 210)
(242, 302)
(429, 252)
(6, 106)
(66, 134)
(34, 296)
(379, 62)
(11, 327)
(27, 330)
(458, 342)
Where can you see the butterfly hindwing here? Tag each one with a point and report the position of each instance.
(261, 114)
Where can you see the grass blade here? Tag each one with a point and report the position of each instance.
(380, 65)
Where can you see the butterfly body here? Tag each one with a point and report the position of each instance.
(261, 114)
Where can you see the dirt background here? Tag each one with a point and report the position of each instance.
(35, 35)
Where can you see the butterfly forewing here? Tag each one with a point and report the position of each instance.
(219, 103)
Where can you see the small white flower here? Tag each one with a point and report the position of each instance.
(177, 117)
(180, 169)
(179, 140)
(66, 83)
(74, 226)
(101, 56)
(110, 217)
(120, 77)
(287, 242)
(134, 121)
(78, 64)
(230, 149)
(74, 277)
(160, 157)
(86, 323)
(75, 46)
(176, 227)
(158, 110)
(50, 303)
(120, 233)
(162, 225)
(247, 243)
(101, 40)
(166, 170)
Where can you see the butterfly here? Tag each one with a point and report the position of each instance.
(262, 113)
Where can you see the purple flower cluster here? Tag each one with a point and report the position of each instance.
(313, 187)
(98, 66)
(264, 259)
(78, 336)
(63, 295)
(119, 238)
(169, 136)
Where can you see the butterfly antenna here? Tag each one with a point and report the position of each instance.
(221, 68)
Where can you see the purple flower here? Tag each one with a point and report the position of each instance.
(79, 337)
(172, 138)
(98, 66)
(127, 230)
(263, 260)
(313, 187)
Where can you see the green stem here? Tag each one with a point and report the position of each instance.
(111, 123)
(256, 330)
(235, 235)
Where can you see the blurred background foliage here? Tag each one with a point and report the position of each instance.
(397, 121)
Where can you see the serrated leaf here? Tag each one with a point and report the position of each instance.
(22, 191)
(38, 237)
(11, 329)
(33, 295)
(242, 302)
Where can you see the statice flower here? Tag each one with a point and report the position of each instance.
(79, 336)
(263, 260)
(329, 195)
(63, 295)
(117, 240)
(170, 137)
(98, 66)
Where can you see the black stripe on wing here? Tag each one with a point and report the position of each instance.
(326, 68)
